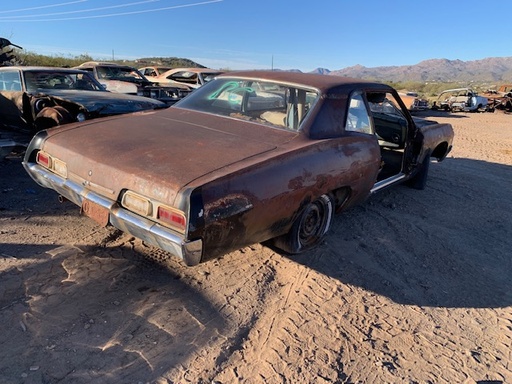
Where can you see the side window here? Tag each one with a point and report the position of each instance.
(358, 119)
(10, 81)
(390, 123)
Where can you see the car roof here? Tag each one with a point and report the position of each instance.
(103, 64)
(40, 68)
(97, 63)
(457, 89)
(195, 69)
(319, 81)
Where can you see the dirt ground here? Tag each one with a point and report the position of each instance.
(409, 287)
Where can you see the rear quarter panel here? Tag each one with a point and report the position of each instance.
(437, 139)
(261, 201)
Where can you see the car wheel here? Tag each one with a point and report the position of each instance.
(309, 228)
(419, 181)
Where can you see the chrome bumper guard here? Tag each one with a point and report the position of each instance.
(124, 220)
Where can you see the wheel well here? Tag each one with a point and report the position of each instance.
(341, 196)
(440, 151)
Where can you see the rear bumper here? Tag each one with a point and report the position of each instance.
(138, 226)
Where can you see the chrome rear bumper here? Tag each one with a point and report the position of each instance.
(138, 226)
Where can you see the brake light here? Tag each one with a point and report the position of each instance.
(52, 163)
(172, 217)
(43, 159)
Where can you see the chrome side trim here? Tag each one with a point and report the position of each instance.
(150, 232)
(387, 182)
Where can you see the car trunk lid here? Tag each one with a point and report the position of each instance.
(157, 154)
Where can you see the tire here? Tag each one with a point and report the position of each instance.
(419, 180)
(309, 228)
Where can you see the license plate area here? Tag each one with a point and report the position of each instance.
(95, 211)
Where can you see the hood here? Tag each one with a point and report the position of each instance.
(107, 103)
(119, 86)
(159, 153)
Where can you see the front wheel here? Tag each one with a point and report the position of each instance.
(309, 227)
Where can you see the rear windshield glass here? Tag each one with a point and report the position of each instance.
(275, 104)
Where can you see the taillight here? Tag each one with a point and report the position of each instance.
(52, 163)
(143, 206)
(172, 217)
(43, 159)
(137, 203)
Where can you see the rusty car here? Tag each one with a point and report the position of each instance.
(250, 157)
(125, 79)
(34, 98)
(153, 71)
(413, 102)
(500, 99)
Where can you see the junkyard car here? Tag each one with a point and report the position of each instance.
(413, 102)
(460, 99)
(151, 72)
(230, 165)
(189, 77)
(126, 79)
(34, 98)
(500, 99)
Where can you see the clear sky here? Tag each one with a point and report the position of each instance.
(261, 34)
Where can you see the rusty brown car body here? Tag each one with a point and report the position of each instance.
(248, 157)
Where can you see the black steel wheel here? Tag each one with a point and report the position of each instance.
(310, 226)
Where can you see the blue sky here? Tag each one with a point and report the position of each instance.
(259, 34)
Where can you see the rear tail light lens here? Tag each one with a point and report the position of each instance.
(172, 217)
(52, 163)
(44, 159)
(167, 216)
(137, 204)
(60, 168)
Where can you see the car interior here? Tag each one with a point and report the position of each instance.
(389, 125)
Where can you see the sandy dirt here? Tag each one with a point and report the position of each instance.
(409, 287)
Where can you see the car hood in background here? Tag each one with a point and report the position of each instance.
(119, 86)
(108, 103)
(159, 153)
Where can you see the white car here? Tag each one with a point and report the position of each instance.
(190, 77)
(461, 99)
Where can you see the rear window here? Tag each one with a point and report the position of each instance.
(280, 105)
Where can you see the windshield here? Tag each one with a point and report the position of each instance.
(119, 73)
(274, 104)
(37, 80)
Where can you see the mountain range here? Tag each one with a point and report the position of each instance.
(491, 69)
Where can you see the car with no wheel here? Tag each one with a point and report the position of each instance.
(248, 157)
(33, 98)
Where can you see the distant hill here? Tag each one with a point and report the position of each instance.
(493, 69)
(321, 71)
(173, 62)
